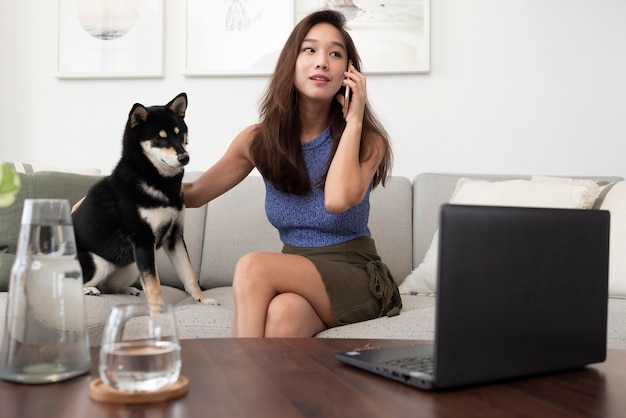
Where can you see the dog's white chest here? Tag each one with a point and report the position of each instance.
(159, 219)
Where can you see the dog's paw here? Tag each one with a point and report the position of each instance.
(205, 300)
(133, 291)
(91, 291)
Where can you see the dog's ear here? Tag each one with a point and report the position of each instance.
(178, 105)
(138, 114)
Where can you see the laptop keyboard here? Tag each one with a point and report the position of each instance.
(417, 364)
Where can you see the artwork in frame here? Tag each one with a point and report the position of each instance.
(236, 37)
(392, 36)
(110, 39)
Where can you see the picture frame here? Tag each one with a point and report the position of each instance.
(110, 39)
(392, 37)
(236, 37)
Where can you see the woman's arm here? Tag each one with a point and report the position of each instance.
(230, 170)
(348, 178)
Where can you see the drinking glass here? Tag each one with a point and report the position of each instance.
(140, 348)
(45, 338)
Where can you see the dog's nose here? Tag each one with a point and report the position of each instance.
(183, 159)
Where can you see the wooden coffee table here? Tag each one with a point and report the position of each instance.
(301, 378)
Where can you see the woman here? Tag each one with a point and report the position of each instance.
(318, 169)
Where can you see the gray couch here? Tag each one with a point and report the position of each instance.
(403, 220)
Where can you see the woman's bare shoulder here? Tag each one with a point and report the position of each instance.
(243, 140)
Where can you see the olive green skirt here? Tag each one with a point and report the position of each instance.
(359, 284)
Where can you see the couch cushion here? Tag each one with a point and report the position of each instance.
(542, 191)
(416, 322)
(235, 225)
(40, 185)
(391, 225)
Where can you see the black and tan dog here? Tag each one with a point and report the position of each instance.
(139, 208)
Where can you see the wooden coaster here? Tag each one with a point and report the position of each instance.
(101, 392)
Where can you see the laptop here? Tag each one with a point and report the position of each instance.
(521, 291)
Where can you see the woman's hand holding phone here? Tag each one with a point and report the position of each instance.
(346, 97)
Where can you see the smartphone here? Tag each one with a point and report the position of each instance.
(346, 94)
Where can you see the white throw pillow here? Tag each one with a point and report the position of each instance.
(615, 202)
(552, 192)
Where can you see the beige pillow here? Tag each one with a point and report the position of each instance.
(541, 191)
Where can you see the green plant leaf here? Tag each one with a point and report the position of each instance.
(9, 184)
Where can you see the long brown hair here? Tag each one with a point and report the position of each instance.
(276, 148)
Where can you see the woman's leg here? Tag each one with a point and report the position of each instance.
(291, 315)
(303, 306)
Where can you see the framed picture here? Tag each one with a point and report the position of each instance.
(236, 37)
(110, 39)
(392, 36)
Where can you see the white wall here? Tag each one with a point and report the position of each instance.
(516, 86)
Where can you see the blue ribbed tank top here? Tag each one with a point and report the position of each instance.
(302, 220)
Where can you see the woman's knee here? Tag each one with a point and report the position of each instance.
(290, 315)
(279, 316)
(247, 268)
